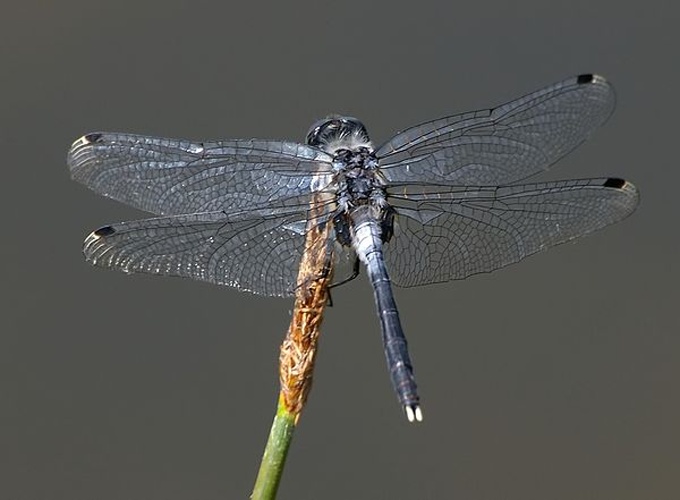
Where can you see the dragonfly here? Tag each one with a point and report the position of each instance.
(439, 201)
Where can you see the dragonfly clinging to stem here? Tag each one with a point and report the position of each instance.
(439, 201)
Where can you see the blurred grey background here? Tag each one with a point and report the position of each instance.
(556, 378)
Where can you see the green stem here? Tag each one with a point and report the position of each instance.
(274, 458)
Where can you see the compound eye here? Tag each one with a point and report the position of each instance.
(325, 131)
(313, 135)
(319, 131)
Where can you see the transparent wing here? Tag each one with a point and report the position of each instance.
(257, 251)
(443, 234)
(254, 252)
(170, 176)
(500, 145)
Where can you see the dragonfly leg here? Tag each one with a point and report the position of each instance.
(355, 273)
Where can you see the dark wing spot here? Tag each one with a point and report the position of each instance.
(585, 78)
(104, 231)
(614, 182)
(93, 137)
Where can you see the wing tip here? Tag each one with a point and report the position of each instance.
(588, 78)
(615, 182)
(92, 137)
(95, 246)
(620, 185)
(89, 138)
(627, 189)
(103, 232)
(79, 154)
(585, 78)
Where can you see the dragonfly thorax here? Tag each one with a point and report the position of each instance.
(361, 195)
(357, 178)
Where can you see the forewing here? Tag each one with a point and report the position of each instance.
(171, 176)
(254, 252)
(443, 234)
(500, 145)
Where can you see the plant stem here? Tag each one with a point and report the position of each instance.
(298, 351)
(274, 458)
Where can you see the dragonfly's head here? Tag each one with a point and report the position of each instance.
(338, 132)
